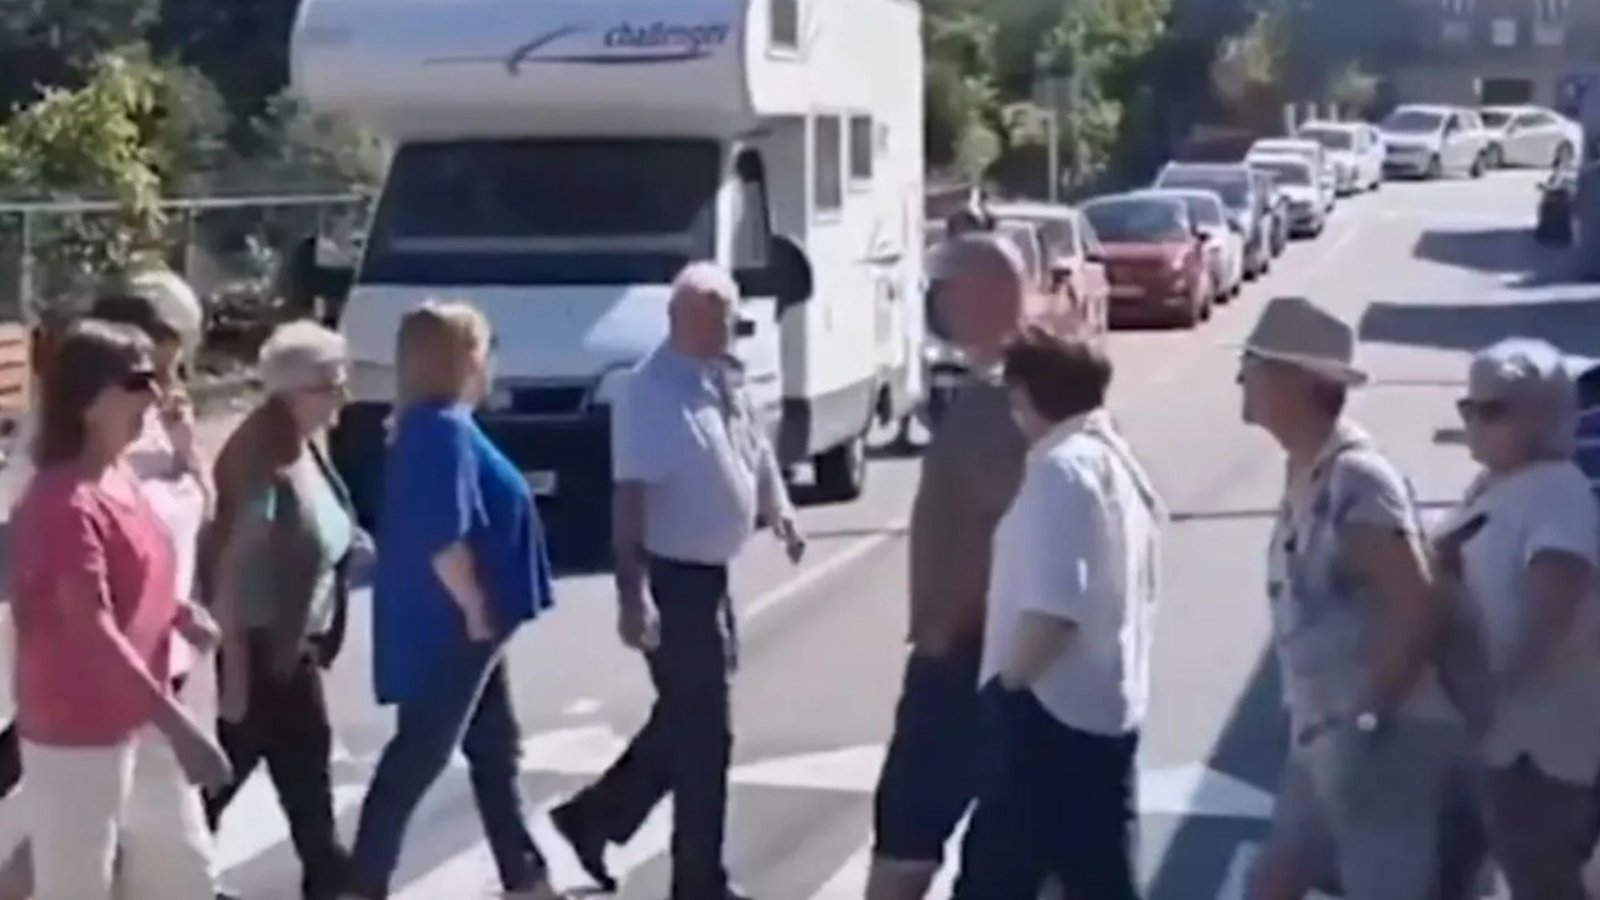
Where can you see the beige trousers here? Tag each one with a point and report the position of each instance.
(114, 823)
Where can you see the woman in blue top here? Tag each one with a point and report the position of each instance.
(461, 565)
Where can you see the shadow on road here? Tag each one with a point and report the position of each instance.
(1501, 251)
(1252, 748)
(1573, 325)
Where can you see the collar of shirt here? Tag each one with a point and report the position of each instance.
(1096, 419)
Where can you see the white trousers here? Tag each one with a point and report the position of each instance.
(114, 823)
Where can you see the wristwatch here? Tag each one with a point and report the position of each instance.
(1367, 722)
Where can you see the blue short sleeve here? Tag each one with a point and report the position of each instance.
(437, 481)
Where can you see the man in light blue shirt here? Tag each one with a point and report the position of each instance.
(694, 476)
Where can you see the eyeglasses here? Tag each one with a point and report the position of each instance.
(139, 381)
(1473, 410)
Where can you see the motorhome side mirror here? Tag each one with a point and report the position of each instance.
(790, 273)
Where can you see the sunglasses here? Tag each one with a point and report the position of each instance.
(139, 381)
(1482, 410)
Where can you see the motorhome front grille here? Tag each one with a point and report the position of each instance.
(549, 400)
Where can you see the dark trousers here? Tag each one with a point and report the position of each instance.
(286, 726)
(930, 772)
(1055, 802)
(684, 748)
(466, 703)
(10, 760)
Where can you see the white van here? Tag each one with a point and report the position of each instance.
(558, 161)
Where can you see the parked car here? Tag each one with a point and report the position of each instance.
(1063, 260)
(1311, 152)
(1277, 209)
(1247, 206)
(1530, 136)
(1224, 243)
(1354, 149)
(1072, 264)
(1432, 141)
(1303, 191)
(1155, 258)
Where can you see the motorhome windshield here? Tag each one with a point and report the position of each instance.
(544, 212)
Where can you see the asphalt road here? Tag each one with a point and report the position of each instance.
(1430, 271)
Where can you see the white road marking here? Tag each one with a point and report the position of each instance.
(1196, 790)
(849, 881)
(1238, 877)
(794, 587)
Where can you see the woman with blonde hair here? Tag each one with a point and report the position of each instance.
(275, 567)
(461, 566)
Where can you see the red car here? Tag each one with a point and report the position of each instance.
(1155, 259)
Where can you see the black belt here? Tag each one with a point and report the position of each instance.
(687, 565)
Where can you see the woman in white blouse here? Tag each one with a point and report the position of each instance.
(1527, 562)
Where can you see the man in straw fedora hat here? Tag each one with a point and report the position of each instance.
(1374, 736)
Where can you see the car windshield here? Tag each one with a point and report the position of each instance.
(1136, 221)
(1022, 238)
(1284, 171)
(1232, 186)
(1203, 210)
(1331, 138)
(1412, 121)
(544, 212)
(1495, 118)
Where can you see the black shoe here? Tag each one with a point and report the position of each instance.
(587, 845)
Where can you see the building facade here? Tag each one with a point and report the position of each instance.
(1499, 51)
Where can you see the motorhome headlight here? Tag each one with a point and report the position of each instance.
(371, 382)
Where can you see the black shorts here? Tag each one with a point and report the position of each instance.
(930, 773)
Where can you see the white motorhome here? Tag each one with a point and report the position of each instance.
(558, 161)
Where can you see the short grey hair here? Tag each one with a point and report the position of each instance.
(1532, 377)
(975, 248)
(298, 355)
(705, 277)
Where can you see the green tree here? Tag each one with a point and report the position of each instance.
(1247, 72)
(59, 42)
(303, 148)
(88, 143)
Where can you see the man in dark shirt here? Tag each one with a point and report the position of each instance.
(969, 475)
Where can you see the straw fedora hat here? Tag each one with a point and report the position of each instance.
(1295, 331)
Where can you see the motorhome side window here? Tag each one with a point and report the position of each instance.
(545, 211)
(785, 30)
(862, 140)
(827, 165)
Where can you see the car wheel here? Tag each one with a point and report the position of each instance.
(841, 473)
(1435, 168)
(1479, 165)
(1564, 155)
(1495, 157)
